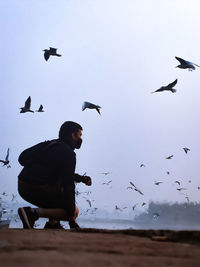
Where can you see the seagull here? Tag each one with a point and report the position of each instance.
(129, 187)
(40, 109)
(168, 172)
(179, 189)
(27, 106)
(168, 87)
(186, 64)
(50, 52)
(107, 182)
(186, 149)
(187, 198)
(6, 161)
(177, 182)
(105, 173)
(142, 165)
(134, 206)
(143, 204)
(91, 106)
(89, 202)
(136, 189)
(117, 208)
(170, 157)
(157, 183)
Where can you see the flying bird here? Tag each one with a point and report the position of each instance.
(105, 173)
(177, 182)
(91, 106)
(40, 109)
(117, 208)
(50, 52)
(6, 161)
(168, 172)
(27, 106)
(180, 189)
(142, 165)
(134, 206)
(168, 87)
(158, 183)
(186, 64)
(107, 183)
(136, 189)
(186, 149)
(143, 204)
(89, 202)
(129, 187)
(170, 157)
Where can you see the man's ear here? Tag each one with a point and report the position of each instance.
(73, 135)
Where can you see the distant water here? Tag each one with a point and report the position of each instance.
(112, 224)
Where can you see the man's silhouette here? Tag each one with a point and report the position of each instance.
(48, 179)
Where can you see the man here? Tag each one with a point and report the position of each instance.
(48, 179)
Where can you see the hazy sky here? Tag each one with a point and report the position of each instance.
(114, 54)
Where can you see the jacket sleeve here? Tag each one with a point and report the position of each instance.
(78, 178)
(68, 184)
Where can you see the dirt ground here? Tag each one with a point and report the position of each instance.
(90, 248)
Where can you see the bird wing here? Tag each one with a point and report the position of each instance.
(46, 55)
(98, 110)
(7, 154)
(172, 84)
(28, 103)
(40, 108)
(52, 50)
(132, 184)
(84, 106)
(182, 61)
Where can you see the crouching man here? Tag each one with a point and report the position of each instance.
(48, 179)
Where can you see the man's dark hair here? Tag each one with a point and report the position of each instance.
(67, 128)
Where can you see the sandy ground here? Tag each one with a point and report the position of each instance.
(90, 247)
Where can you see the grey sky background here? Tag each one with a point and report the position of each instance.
(114, 54)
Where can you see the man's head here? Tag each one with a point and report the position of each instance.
(71, 133)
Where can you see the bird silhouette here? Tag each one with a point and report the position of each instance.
(40, 109)
(136, 189)
(155, 214)
(143, 204)
(168, 173)
(142, 165)
(158, 183)
(27, 106)
(50, 52)
(107, 183)
(177, 182)
(89, 202)
(170, 157)
(91, 106)
(134, 206)
(6, 161)
(105, 173)
(168, 87)
(180, 189)
(184, 64)
(186, 149)
(117, 208)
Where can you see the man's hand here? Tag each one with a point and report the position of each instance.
(87, 180)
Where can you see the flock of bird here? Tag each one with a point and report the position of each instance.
(87, 105)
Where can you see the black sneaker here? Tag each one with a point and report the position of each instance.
(73, 225)
(56, 225)
(28, 217)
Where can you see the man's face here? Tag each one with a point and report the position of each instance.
(76, 137)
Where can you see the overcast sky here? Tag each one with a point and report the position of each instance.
(114, 54)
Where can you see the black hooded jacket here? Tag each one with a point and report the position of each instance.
(53, 163)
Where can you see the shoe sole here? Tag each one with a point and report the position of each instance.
(24, 218)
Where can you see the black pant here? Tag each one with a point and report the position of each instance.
(43, 196)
